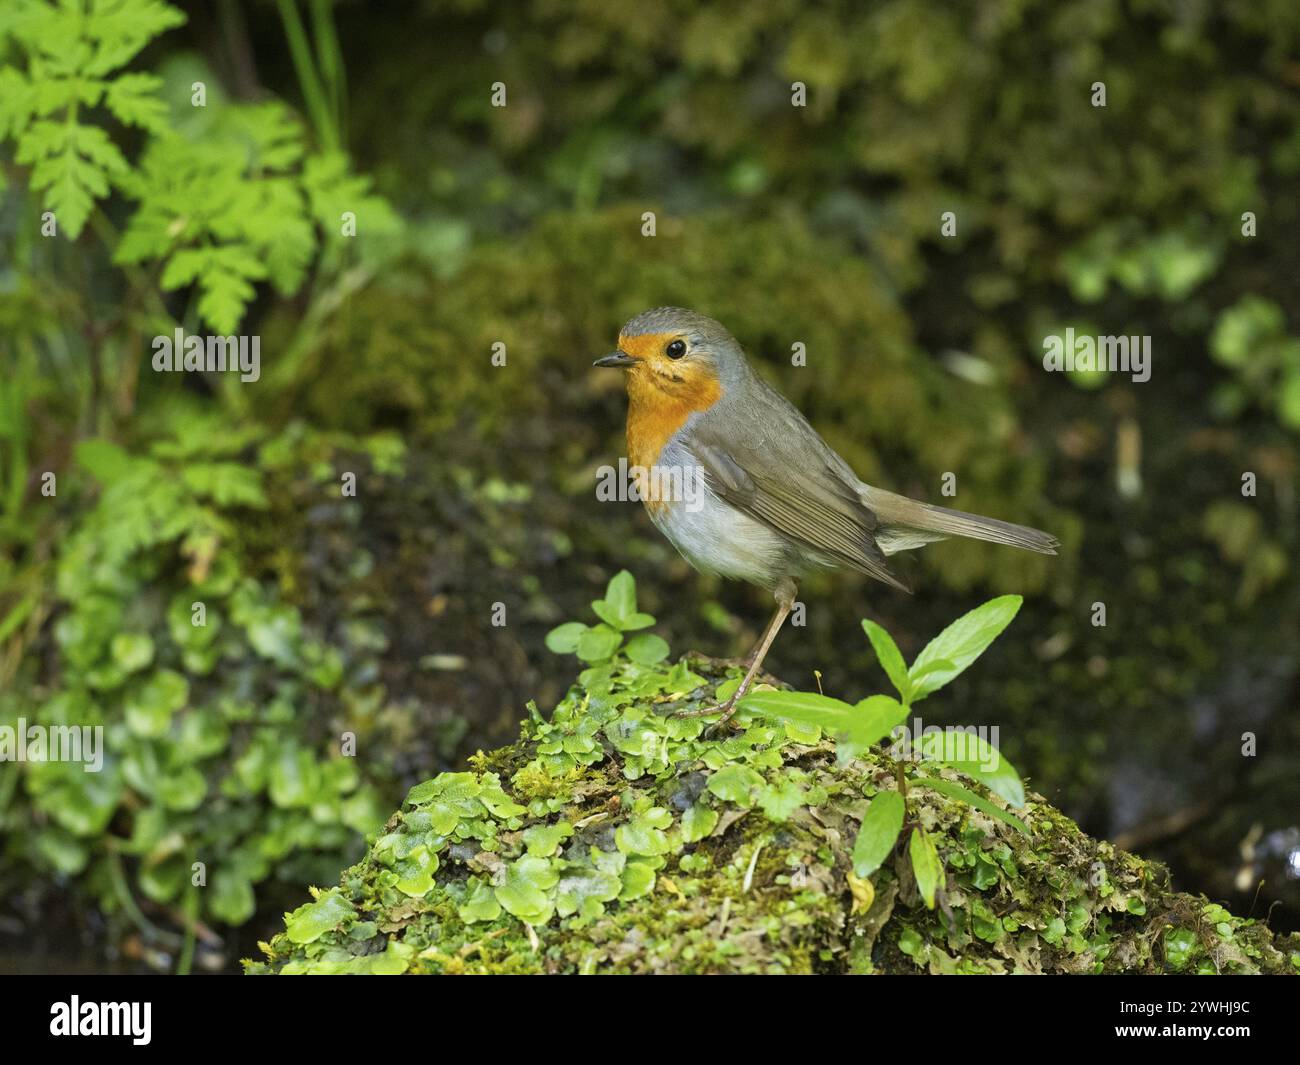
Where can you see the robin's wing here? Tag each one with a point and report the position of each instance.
(780, 472)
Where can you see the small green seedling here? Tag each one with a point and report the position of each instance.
(855, 728)
(619, 615)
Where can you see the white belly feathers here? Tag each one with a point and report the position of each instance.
(713, 536)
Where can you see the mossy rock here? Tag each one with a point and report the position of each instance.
(617, 838)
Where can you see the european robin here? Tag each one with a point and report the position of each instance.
(745, 488)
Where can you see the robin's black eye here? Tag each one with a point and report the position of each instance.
(676, 349)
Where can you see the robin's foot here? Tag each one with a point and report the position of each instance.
(727, 709)
(725, 722)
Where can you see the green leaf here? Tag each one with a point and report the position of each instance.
(294, 778)
(585, 891)
(855, 728)
(606, 613)
(275, 632)
(618, 608)
(961, 643)
(292, 240)
(394, 961)
(873, 719)
(227, 484)
(120, 29)
(164, 881)
(526, 891)
(226, 285)
(938, 665)
(620, 594)
(638, 880)
(956, 791)
(799, 732)
(202, 733)
(133, 98)
(969, 753)
(644, 833)
(64, 852)
(184, 789)
(311, 921)
(778, 801)
(332, 189)
(635, 621)
(881, 825)
(480, 903)
(132, 650)
(150, 707)
(73, 164)
(416, 872)
(891, 659)
(84, 803)
(598, 644)
(1288, 400)
(273, 135)
(1244, 328)
(925, 865)
(232, 898)
(736, 783)
(17, 102)
(1180, 945)
(697, 822)
(105, 460)
(494, 797)
(806, 708)
(563, 639)
(647, 649)
(544, 840)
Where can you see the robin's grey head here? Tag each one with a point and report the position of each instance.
(678, 347)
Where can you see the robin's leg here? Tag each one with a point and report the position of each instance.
(785, 596)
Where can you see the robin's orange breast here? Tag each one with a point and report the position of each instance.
(656, 411)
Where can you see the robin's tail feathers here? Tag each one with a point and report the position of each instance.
(909, 523)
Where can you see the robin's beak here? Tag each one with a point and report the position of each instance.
(620, 359)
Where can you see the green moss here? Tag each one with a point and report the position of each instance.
(614, 837)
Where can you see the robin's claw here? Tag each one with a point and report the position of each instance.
(723, 724)
(726, 709)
